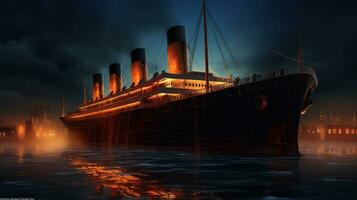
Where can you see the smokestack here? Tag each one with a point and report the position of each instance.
(177, 50)
(138, 66)
(114, 78)
(98, 91)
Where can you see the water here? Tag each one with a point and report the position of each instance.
(53, 170)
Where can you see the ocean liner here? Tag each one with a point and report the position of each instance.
(191, 110)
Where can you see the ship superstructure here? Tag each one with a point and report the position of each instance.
(176, 84)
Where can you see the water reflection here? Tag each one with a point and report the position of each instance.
(120, 182)
(20, 151)
(55, 170)
(328, 149)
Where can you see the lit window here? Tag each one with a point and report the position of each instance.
(329, 131)
(353, 131)
(334, 131)
(339, 131)
(347, 131)
(318, 130)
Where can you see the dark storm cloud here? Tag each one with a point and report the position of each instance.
(329, 42)
(48, 47)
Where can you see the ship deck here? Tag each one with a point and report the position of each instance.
(167, 87)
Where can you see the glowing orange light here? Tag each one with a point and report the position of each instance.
(38, 134)
(20, 151)
(138, 72)
(105, 111)
(20, 132)
(177, 58)
(97, 91)
(114, 83)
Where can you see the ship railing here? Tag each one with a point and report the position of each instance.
(215, 88)
(275, 74)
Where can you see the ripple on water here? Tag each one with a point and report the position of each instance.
(19, 183)
(275, 198)
(279, 173)
(336, 180)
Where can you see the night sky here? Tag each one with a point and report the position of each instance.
(48, 47)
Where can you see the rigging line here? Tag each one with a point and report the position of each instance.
(221, 51)
(198, 65)
(195, 39)
(162, 62)
(194, 36)
(127, 71)
(307, 63)
(154, 44)
(87, 88)
(225, 43)
(157, 57)
(148, 49)
(194, 46)
(282, 55)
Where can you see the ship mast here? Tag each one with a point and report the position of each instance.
(301, 64)
(206, 45)
(84, 92)
(63, 108)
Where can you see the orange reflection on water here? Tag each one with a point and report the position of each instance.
(333, 149)
(54, 146)
(20, 151)
(120, 182)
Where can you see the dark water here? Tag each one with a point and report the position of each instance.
(52, 170)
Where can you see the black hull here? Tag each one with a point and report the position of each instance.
(228, 120)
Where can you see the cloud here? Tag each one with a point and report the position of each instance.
(329, 41)
(48, 47)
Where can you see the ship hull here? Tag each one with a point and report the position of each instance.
(260, 117)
